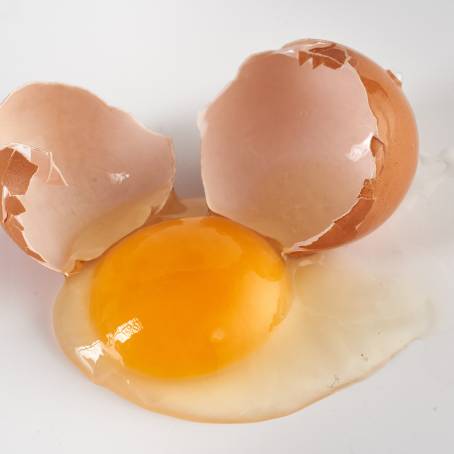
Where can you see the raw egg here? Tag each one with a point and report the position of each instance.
(330, 322)
(223, 309)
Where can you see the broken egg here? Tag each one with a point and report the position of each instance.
(313, 145)
(186, 356)
(76, 174)
(205, 309)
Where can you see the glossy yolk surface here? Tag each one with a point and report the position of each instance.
(189, 296)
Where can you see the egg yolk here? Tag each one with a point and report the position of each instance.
(189, 296)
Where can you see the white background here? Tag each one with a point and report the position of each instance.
(163, 61)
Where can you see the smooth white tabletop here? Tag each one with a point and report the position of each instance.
(163, 61)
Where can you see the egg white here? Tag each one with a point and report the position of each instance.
(346, 319)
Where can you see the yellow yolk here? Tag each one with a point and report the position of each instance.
(188, 296)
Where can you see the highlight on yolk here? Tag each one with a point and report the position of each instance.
(186, 297)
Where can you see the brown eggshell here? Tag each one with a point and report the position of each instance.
(76, 174)
(313, 145)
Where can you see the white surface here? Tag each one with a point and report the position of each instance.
(163, 61)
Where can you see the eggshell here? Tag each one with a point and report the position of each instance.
(313, 145)
(76, 174)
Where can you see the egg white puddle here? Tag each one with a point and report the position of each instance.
(354, 308)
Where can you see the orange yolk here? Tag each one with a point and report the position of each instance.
(188, 296)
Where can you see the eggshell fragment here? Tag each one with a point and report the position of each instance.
(313, 145)
(71, 166)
